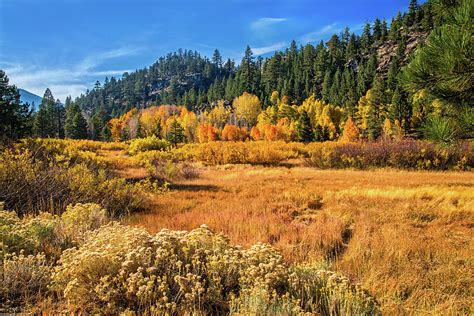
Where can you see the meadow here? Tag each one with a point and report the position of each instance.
(240, 228)
(405, 236)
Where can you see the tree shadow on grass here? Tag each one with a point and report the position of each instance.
(194, 187)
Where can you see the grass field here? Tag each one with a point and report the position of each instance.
(406, 236)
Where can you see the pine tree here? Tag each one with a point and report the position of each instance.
(327, 84)
(376, 97)
(69, 123)
(377, 33)
(427, 20)
(366, 39)
(444, 66)
(44, 124)
(304, 132)
(247, 72)
(106, 134)
(383, 31)
(395, 26)
(80, 125)
(400, 109)
(176, 133)
(98, 122)
(15, 118)
(76, 124)
(217, 59)
(59, 118)
(335, 88)
(392, 74)
(412, 12)
(351, 48)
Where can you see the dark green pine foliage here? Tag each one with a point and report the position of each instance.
(377, 30)
(176, 133)
(15, 118)
(376, 113)
(49, 119)
(80, 125)
(248, 73)
(98, 122)
(327, 84)
(400, 109)
(76, 124)
(304, 130)
(59, 119)
(366, 40)
(444, 67)
(106, 134)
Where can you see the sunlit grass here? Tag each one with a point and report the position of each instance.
(405, 235)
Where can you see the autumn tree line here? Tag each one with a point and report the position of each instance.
(313, 120)
(372, 83)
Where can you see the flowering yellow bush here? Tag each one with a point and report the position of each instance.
(30, 234)
(78, 219)
(24, 279)
(120, 268)
(47, 233)
(29, 246)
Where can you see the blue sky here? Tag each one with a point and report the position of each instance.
(67, 45)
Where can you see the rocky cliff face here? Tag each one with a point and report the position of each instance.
(388, 50)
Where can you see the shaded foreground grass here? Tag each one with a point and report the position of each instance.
(406, 236)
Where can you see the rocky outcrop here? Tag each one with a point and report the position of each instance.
(388, 50)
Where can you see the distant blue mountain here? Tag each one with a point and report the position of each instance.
(31, 98)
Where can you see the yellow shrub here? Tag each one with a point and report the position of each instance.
(121, 268)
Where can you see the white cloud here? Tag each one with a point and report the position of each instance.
(263, 23)
(330, 29)
(268, 49)
(322, 32)
(64, 81)
(97, 59)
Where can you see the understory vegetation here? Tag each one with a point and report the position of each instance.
(36, 178)
(109, 268)
(62, 249)
(402, 154)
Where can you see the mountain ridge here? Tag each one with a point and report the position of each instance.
(29, 97)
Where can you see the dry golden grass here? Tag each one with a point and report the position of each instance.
(407, 236)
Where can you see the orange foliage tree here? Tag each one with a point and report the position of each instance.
(206, 133)
(351, 131)
(271, 132)
(231, 133)
(255, 133)
(116, 127)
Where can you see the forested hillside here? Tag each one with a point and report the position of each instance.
(339, 71)
(410, 76)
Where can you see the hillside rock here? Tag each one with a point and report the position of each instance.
(388, 50)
